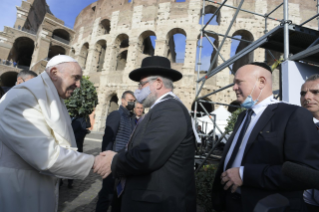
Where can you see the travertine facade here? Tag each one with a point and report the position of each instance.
(110, 38)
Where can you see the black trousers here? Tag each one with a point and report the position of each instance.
(108, 196)
(233, 202)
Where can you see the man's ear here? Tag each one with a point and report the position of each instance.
(262, 82)
(54, 74)
(159, 84)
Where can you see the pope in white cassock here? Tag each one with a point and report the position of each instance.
(37, 143)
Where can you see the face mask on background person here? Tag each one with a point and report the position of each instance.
(141, 95)
(249, 102)
(130, 106)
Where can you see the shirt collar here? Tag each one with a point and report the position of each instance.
(162, 97)
(261, 106)
(315, 120)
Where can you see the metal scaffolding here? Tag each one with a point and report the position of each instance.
(285, 38)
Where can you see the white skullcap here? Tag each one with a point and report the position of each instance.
(60, 59)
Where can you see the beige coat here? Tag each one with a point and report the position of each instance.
(37, 145)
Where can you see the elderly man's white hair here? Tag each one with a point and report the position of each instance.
(59, 59)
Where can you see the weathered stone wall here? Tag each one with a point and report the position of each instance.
(164, 18)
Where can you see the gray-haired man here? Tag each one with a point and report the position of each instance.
(309, 99)
(25, 75)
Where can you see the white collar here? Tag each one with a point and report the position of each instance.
(315, 120)
(162, 97)
(261, 106)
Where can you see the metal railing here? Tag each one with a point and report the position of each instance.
(29, 31)
(60, 39)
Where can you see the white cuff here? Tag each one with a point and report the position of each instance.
(241, 173)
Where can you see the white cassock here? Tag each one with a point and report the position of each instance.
(37, 145)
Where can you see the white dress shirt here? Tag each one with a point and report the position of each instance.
(258, 111)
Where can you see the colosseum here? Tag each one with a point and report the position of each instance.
(110, 39)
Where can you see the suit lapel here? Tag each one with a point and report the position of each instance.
(263, 120)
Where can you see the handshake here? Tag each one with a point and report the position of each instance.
(103, 162)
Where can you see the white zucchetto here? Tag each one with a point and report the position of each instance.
(56, 60)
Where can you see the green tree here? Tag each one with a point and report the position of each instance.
(232, 120)
(84, 99)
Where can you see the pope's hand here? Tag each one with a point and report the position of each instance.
(103, 162)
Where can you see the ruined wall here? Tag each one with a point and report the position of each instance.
(36, 15)
(164, 18)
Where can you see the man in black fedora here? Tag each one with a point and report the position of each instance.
(156, 169)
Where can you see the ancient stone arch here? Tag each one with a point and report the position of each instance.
(99, 55)
(61, 35)
(207, 47)
(104, 27)
(72, 52)
(83, 56)
(209, 11)
(22, 51)
(171, 53)
(56, 50)
(120, 47)
(248, 36)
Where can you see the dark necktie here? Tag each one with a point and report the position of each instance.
(240, 138)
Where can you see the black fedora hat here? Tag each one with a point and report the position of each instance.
(155, 65)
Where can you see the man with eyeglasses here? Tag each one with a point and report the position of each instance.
(156, 169)
(118, 128)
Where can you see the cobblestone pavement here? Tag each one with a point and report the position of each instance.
(83, 196)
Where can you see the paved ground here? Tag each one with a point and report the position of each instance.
(83, 195)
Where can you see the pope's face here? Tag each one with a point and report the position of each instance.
(69, 78)
(309, 96)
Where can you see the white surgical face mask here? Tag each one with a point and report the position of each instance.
(141, 95)
(249, 102)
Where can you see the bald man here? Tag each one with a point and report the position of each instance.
(265, 136)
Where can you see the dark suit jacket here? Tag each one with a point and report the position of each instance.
(158, 166)
(283, 133)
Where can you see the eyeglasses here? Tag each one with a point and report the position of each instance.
(141, 84)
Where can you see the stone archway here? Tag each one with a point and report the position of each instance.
(176, 45)
(22, 52)
(56, 50)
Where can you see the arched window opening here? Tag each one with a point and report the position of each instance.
(180, 0)
(55, 50)
(61, 35)
(146, 43)
(84, 55)
(209, 12)
(104, 27)
(72, 53)
(244, 35)
(208, 52)
(22, 52)
(99, 55)
(113, 105)
(121, 61)
(176, 45)
(121, 45)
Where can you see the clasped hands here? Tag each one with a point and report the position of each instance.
(103, 162)
(231, 179)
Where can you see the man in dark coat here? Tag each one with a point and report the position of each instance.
(309, 99)
(118, 128)
(265, 136)
(157, 169)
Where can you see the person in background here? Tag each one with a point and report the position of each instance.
(118, 129)
(8, 80)
(309, 99)
(139, 111)
(25, 75)
(1, 92)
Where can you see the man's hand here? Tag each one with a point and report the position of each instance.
(103, 162)
(231, 178)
